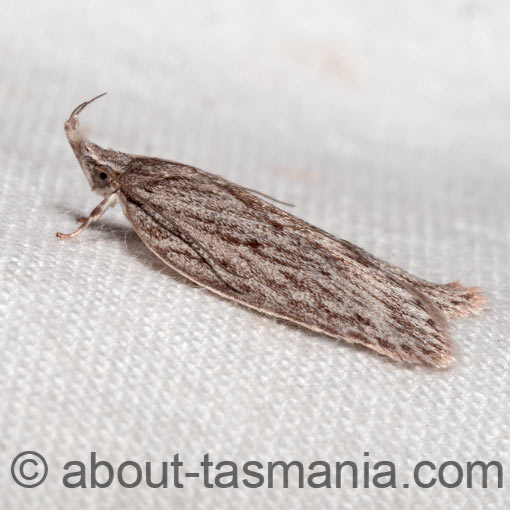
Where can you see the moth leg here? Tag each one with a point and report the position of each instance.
(98, 211)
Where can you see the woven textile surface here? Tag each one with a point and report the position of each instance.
(386, 123)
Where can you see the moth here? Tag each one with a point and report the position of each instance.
(231, 241)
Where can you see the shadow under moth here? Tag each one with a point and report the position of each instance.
(232, 242)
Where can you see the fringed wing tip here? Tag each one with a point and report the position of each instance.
(422, 351)
(436, 350)
(471, 301)
(438, 357)
(461, 302)
(466, 300)
(441, 359)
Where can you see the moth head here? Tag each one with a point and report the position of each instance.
(100, 169)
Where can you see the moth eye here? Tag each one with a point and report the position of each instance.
(103, 176)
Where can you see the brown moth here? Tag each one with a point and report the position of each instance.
(224, 238)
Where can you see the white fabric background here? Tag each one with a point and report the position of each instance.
(387, 123)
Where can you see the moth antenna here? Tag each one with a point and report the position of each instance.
(267, 196)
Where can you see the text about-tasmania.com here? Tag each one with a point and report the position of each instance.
(30, 469)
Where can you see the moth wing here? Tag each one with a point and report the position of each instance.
(230, 241)
(452, 299)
